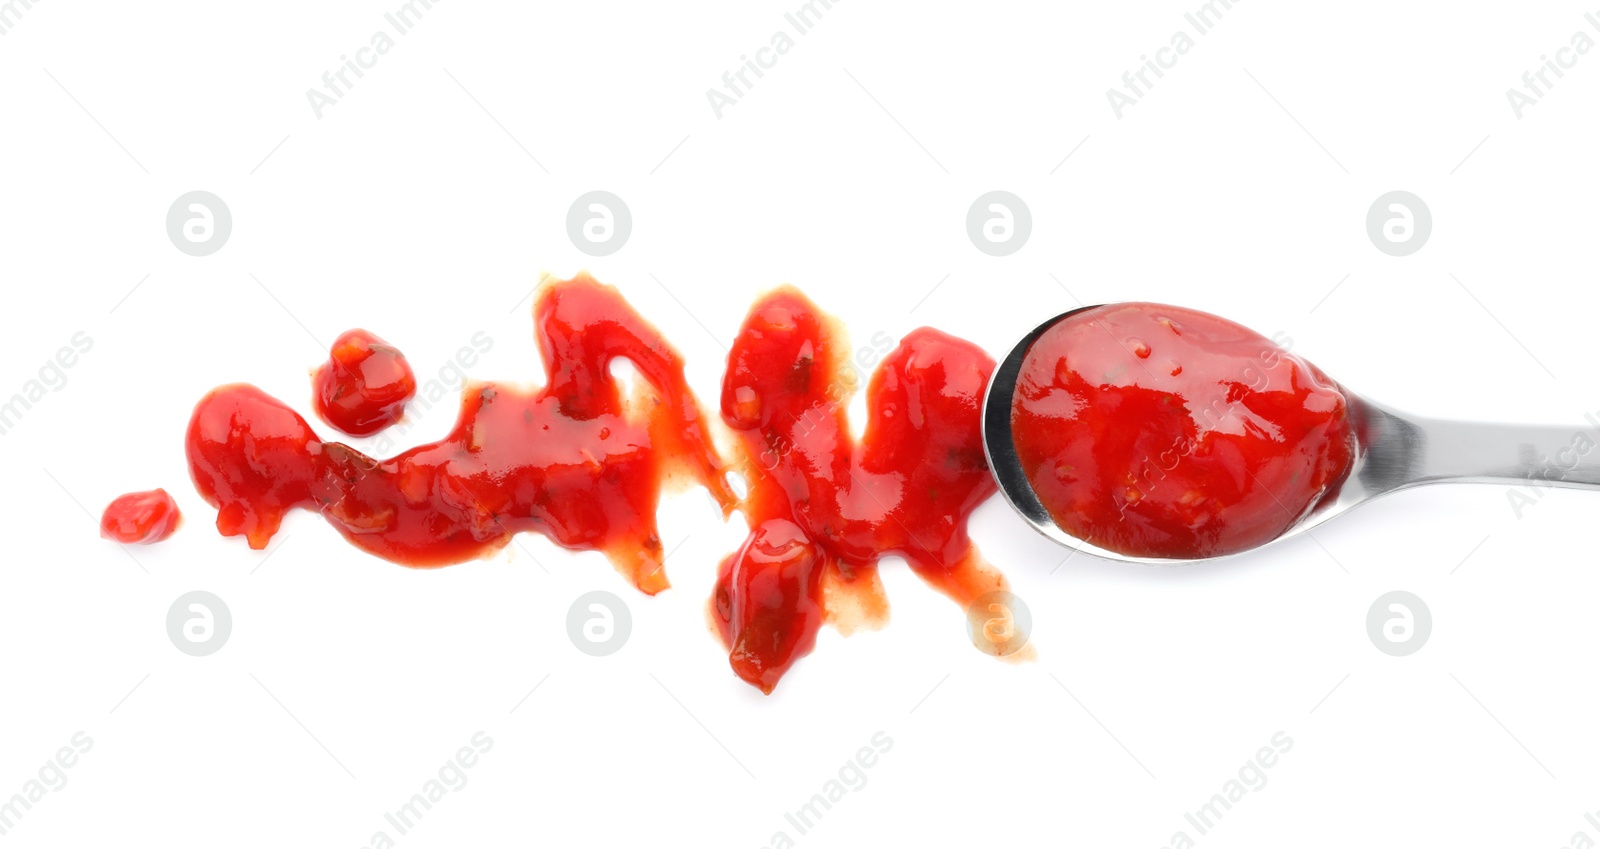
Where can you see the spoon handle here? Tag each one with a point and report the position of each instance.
(1470, 451)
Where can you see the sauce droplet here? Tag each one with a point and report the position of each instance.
(140, 518)
(364, 385)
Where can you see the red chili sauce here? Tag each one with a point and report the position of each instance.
(141, 518)
(577, 460)
(1162, 432)
(582, 463)
(823, 507)
(364, 386)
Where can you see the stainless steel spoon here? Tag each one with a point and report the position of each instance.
(1395, 451)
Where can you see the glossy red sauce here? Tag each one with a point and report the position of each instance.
(577, 460)
(364, 386)
(824, 507)
(1164, 432)
(140, 518)
(583, 463)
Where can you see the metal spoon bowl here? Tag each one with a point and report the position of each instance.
(1395, 451)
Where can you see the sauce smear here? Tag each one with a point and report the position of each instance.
(583, 462)
(824, 508)
(576, 460)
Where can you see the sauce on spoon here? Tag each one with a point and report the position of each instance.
(1164, 432)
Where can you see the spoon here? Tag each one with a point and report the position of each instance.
(1394, 451)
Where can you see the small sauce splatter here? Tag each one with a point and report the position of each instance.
(141, 518)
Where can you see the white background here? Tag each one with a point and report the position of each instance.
(415, 207)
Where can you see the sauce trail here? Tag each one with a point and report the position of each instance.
(583, 462)
(575, 460)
